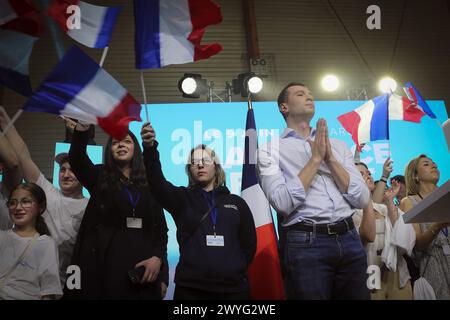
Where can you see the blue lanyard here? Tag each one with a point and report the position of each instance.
(133, 201)
(445, 232)
(211, 204)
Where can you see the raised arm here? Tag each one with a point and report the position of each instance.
(164, 191)
(30, 170)
(378, 193)
(12, 175)
(83, 168)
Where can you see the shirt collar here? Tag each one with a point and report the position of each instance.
(289, 132)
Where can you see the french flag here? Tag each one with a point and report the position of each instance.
(96, 26)
(401, 108)
(369, 122)
(17, 38)
(414, 95)
(12, 9)
(264, 273)
(79, 88)
(170, 31)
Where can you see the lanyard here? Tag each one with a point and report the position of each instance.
(212, 206)
(445, 231)
(133, 201)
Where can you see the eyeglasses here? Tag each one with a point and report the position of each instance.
(24, 203)
(203, 161)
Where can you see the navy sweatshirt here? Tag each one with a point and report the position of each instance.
(208, 268)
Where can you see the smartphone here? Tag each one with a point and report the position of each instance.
(136, 274)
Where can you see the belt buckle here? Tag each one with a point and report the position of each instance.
(329, 230)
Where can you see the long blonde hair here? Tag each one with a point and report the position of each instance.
(412, 181)
(219, 174)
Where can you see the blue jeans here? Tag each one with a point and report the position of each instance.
(325, 266)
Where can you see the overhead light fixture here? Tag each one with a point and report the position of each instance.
(192, 85)
(247, 83)
(330, 83)
(387, 85)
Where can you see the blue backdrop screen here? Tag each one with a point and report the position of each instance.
(221, 126)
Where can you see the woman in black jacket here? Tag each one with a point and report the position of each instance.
(123, 227)
(215, 229)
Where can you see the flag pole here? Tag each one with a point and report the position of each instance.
(249, 102)
(144, 95)
(102, 60)
(11, 123)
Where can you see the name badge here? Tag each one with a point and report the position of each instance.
(446, 249)
(134, 223)
(215, 241)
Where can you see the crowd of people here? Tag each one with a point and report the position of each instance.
(334, 220)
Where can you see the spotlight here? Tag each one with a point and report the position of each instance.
(387, 85)
(192, 85)
(247, 83)
(330, 83)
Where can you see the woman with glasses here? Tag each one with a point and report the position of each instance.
(215, 229)
(432, 239)
(29, 267)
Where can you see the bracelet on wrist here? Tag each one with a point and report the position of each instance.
(384, 180)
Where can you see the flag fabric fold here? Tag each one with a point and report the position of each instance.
(12, 9)
(402, 108)
(17, 38)
(264, 273)
(79, 88)
(415, 96)
(96, 25)
(369, 122)
(170, 31)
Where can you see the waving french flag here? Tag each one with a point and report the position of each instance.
(414, 95)
(78, 88)
(402, 108)
(170, 31)
(369, 122)
(17, 38)
(264, 273)
(96, 25)
(12, 9)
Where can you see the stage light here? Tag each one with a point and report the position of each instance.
(387, 85)
(192, 85)
(255, 84)
(330, 83)
(247, 83)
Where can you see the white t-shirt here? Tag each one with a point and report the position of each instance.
(36, 275)
(63, 218)
(5, 221)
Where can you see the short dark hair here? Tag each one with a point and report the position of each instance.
(398, 178)
(362, 164)
(282, 97)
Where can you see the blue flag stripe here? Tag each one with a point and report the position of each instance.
(249, 177)
(147, 41)
(109, 21)
(70, 76)
(379, 126)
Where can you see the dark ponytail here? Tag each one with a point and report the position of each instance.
(41, 226)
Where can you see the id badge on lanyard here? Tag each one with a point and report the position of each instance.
(133, 222)
(213, 240)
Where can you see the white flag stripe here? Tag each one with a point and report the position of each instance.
(365, 113)
(104, 90)
(258, 204)
(175, 27)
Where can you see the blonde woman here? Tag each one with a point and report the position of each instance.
(215, 229)
(422, 176)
